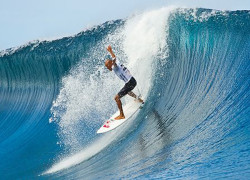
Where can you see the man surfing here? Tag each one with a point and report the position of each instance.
(123, 73)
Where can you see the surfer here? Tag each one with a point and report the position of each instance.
(123, 73)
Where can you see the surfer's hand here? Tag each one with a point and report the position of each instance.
(111, 52)
(109, 49)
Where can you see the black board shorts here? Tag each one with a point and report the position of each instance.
(129, 86)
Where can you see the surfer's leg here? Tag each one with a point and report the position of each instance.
(132, 94)
(135, 96)
(128, 87)
(119, 104)
(132, 85)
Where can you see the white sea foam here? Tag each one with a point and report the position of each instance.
(145, 39)
(79, 157)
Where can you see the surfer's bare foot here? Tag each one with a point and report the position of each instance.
(140, 100)
(120, 117)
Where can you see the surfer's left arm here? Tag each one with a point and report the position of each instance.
(112, 54)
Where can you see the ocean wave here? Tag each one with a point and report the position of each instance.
(192, 68)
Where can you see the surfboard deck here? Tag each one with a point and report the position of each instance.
(129, 110)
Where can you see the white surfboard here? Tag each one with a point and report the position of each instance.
(129, 110)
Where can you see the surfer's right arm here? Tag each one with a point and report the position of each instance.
(112, 54)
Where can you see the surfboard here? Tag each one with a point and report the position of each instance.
(129, 110)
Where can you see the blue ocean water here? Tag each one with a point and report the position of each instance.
(193, 70)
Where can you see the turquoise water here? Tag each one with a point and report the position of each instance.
(192, 67)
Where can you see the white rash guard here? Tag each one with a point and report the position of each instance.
(122, 72)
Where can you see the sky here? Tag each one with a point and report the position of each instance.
(22, 21)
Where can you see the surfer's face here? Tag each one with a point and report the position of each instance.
(108, 64)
